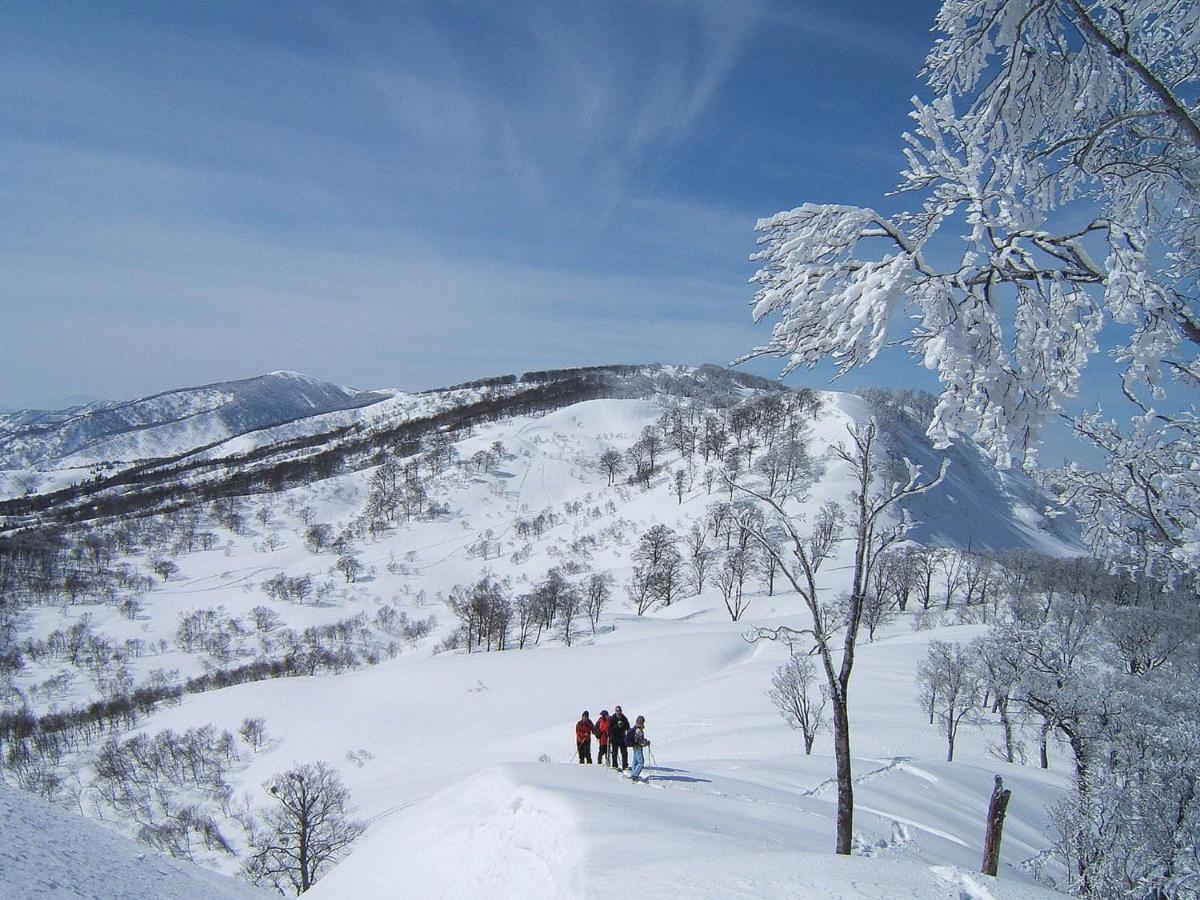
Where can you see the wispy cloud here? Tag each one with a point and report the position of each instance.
(403, 193)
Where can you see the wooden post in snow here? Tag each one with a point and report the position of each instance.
(995, 827)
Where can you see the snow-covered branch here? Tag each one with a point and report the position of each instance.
(1047, 114)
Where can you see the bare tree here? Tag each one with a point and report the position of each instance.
(317, 537)
(792, 692)
(878, 607)
(254, 732)
(305, 832)
(350, 566)
(714, 437)
(526, 613)
(639, 458)
(164, 568)
(484, 611)
(658, 574)
(652, 443)
(924, 562)
(640, 589)
(952, 564)
(679, 484)
(612, 464)
(597, 591)
(699, 554)
(568, 613)
(737, 566)
(732, 468)
(870, 501)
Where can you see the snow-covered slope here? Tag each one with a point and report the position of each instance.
(167, 424)
(530, 830)
(461, 764)
(49, 854)
(978, 507)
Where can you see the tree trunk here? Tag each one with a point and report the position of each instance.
(1044, 756)
(997, 809)
(845, 782)
(1006, 725)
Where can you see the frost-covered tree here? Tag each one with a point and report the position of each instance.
(951, 687)
(1086, 653)
(1062, 149)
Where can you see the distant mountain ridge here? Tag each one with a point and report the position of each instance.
(147, 462)
(281, 430)
(168, 423)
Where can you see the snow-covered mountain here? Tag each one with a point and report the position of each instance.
(168, 423)
(459, 762)
(985, 509)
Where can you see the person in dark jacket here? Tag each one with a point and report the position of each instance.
(601, 729)
(618, 727)
(637, 740)
(583, 738)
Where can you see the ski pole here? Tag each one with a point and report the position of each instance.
(652, 759)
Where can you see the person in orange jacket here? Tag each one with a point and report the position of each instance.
(583, 738)
(602, 724)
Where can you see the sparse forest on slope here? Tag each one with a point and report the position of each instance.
(512, 516)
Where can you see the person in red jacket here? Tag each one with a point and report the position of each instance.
(602, 737)
(583, 738)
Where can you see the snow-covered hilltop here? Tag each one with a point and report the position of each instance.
(281, 429)
(370, 587)
(165, 424)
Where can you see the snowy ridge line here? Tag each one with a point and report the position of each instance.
(171, 422)
(150, 484)
(153, 485)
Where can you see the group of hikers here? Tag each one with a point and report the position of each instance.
(617, 737)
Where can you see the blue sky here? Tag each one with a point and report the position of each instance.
(415, 193)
